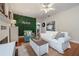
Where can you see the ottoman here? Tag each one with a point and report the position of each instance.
(40, 47)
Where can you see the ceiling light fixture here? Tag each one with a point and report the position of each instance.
(47, 7)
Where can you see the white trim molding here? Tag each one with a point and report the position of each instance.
(74, 41)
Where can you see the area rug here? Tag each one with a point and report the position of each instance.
(26, 50)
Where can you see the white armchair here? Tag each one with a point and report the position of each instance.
(59, 44)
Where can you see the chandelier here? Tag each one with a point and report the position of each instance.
(47, 7)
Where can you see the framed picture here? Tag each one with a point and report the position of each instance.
(43, 24)
(50, 26)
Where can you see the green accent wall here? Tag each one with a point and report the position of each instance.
(25, 23)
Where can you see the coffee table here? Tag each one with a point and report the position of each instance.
(40, 47)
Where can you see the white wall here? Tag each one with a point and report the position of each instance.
(69, 21)
(46, 20)
(49, 19)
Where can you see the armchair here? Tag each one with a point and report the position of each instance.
(59, 44)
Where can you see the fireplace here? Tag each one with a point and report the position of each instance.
(5, 40)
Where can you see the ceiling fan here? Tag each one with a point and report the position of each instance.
(46, 7)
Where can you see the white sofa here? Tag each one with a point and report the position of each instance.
(7, 49)
(59, 44)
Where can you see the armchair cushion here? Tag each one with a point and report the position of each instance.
(62, 40)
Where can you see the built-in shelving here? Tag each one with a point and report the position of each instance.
(4, 27)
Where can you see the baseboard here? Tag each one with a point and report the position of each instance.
(74, 41)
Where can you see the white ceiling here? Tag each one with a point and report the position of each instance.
(34, 9)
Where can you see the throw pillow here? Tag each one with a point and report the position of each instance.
(59, 34)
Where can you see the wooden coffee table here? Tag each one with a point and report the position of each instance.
(40, 47)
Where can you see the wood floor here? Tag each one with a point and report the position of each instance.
(73, 51)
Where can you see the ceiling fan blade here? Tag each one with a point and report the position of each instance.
(50, 5)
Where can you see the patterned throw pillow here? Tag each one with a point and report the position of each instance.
(59, 34)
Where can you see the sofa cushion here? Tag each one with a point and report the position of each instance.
(59, 34)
